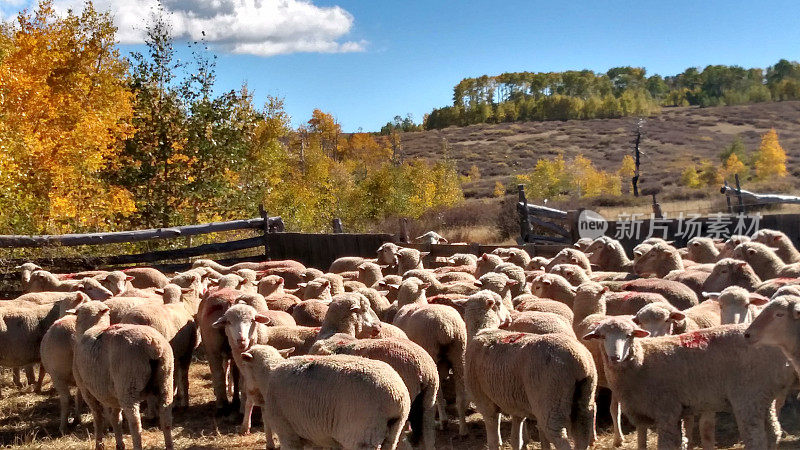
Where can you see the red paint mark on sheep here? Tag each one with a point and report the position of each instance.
(512, 338)
(694, 339)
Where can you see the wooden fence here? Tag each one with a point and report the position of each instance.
(564, 226)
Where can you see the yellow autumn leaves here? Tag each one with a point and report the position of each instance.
(63, 109)
(768, 162)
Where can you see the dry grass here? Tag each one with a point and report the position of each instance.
(672, 140)
(30, 421)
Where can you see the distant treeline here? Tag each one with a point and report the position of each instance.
(622, 91)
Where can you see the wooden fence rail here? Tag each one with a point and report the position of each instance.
(68, 240)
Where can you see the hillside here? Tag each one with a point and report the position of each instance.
(672, 139)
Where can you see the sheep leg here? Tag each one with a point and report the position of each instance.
(441, 405)
(773, 426)
(30, 375)
(393, 434)
(429, 429)
(97, 419)
(751, 420)
(516, 432)
(63, 403)
(267, 429)
(78, 400)
(17, 377)
(218, 375)
(708, 425)
(165, 417)
(185, 381)
(238, 393)
(248, 411)
(461, 395)
(556, 430)
(40, 380)
(641, 437)
(135, 424)
(616, 420)
(114, 416)
(491, 419)
(670, 434)
(543, 438)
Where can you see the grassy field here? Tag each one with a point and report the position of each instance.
(30, 421)
(672, 139)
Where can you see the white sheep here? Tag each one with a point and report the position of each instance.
(414, 365)
(117, 367)
(329, 401)
(718, 372)
(440, 330)
(551, 378)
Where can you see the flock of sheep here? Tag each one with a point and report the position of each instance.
(359, 357)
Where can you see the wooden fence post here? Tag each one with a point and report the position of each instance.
(265, 229)
(657, 213)
(524, 219)
(404, 238)
(572, 224)
(336, 224)
(739, 193)
(727, 198)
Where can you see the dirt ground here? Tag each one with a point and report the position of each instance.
(30, 421)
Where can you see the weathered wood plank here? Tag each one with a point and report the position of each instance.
(68, 240)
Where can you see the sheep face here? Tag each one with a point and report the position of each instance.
(769, 237)
(731, 244)
(357, 307)
(116, 282)
(90, 314)
(269, 284)
(569, 256)
(94, 289)
(484, 309)
(230, 281)
(240, 324)
(777, 325)
(387, 254)
(617, 334)
(263, 357)
(657, 320)
(734, 305)
(728, 272)
(26, 270)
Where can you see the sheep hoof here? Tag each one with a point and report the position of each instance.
(618, 441)
(244, 431)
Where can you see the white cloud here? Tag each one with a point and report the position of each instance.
(257, 27)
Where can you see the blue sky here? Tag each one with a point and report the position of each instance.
(384, 58)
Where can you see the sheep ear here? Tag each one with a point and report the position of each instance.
(302, 285)
(718, 240)
(757, 299)
(460, 302)
(751, 251)
(185, 290)
(640, 333)
(743, 264)
(424, 254)
(592, 335)
(695, 244)
(129, 278)
(393, 287)
(774, 249)
(71, 311)
(546, 282)
(479, 283)
(260, 318)
(677, 316)
(220, 323)
(286, 352)
(424, 285)
(247, 356)
(576, 245)
(444, 240)
(711, 295)
(636, 320)
(355, 308)
(512, 282)
(159, 291)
